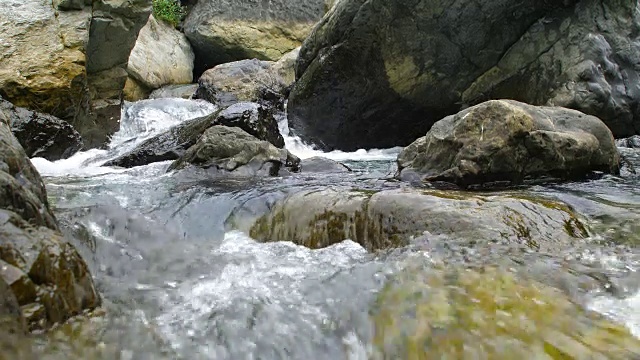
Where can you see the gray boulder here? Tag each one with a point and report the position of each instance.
(319, 164)
(223, 149)
(225, 31)
(505, 140)
(257, 120)
(42, 135)
(392, 218)
(161, 56)
(379, 73)
(630, 142)
(174, 91)
(245, 80)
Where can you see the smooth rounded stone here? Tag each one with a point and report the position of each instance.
(509, 141)
(488, 313)
(174, 91)
(11, 320)
(285, 66)
(21, 187)
(162, 56)
(432, 60)
(169, 145)
(631, 142)
(319, 164)
(42, 135)
(255, 119)
(231, 149)
(244, 80)
(392, 218)
(225, 31)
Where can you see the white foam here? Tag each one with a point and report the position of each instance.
(625, 311)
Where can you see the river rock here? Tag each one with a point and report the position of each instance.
(45, 273)
(319, 164)
(174, 91)
(488, 313)
(162, 56)
(377, 74)
(231, 149)
(169, 145)
(257, 120)
(245, 80)
(225, 31)
(390, 218)
(11, 320)
(42, 135)
(630, 142)
(285, 67)
(505, 140)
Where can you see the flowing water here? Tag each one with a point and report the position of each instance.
(178, 281)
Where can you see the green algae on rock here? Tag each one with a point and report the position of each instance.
(488, 314)
(391, 218)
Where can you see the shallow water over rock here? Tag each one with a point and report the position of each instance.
(179, 280)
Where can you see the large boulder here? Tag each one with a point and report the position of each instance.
(225, 31)
(488, 313)
(45, 273)
(162, 56)
(245, 80)
(379, 73)
(68, 58)
(43, 56)
(509, 141)
(223, 149)
(42, 135)
(391, 218)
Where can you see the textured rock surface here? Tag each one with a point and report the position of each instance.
(45, 273)
(245, 80)
(162, 56)
(285, 66)
(134, 90)
(42, 135)
(225, 31)
(175, 91)
(488, 313)
(318, 164)
(505, 140)
(257, 120)
(11, 320)
(43, 57)
(390, 218)
(231, 149)
(630, 142)
(379, 73)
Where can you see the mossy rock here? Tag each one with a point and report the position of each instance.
(488, 314)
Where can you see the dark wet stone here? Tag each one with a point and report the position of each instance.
(257, 120)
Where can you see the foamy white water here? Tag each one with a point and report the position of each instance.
(625, 311)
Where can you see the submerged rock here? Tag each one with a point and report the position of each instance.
(505, 140)
(222, 32)
(245, 80)
(230, 149)
(391, 218)
(488, 313)
(362, 87)
(42, 135)
(319, 164)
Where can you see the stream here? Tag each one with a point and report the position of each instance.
(179, 281)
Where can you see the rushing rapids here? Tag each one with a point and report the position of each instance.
(179, 280)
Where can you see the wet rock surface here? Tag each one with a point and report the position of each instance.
(231, 149)
(392, 218)
(42, 135)
(44, 272)
(509, 141)
(318, 164)
(257, 120)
